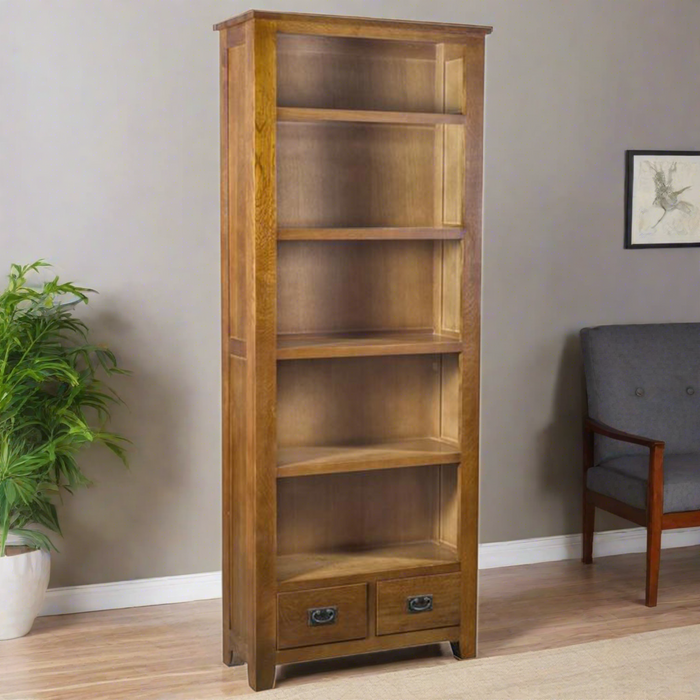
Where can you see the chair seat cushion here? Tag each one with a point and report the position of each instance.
(625, 478)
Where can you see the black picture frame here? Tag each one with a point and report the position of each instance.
(629, 198)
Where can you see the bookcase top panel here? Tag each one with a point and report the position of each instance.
(359, 26)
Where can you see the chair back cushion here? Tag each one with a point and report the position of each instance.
(644, 379)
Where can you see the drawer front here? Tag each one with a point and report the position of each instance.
(321, 615)
(420, 603)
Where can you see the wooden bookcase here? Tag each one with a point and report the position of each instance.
(351, 187)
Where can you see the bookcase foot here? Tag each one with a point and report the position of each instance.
(231, 655)
(464, 649)
(261, 676)
(231, 658)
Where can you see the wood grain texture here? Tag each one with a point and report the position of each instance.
(304, 346)
(588, 508)
(355, 175)
(321, 72)
(473, 107)
(450, 498)
(236, 222)
(655, 514)
(313, 569)
(350, 511)
(310, 460)
(393, 615)
(359, 401)
(351, 187)
(522, 608)
(671, 521)
(355, 23)
(230, 654)
(238, 574)
(378, 29)
(293, 626)
(306, 114)
(261, 664)
(371, 644)
(370, 233)
(348, 286)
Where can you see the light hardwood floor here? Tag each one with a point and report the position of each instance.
(173, 651)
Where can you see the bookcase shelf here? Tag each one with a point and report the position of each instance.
(295, 571)
(310, 460)
(369, 233)
(306, 114)
(303, 346)
(351, 221)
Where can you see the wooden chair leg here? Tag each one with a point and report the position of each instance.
(588, 507)
(653, 564)
(655, 514)
(588, 529)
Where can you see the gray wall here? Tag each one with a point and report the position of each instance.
(109, 168)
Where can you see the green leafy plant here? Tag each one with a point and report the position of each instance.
(52, 403)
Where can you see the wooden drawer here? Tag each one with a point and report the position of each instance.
(321, 615)
(420, 603)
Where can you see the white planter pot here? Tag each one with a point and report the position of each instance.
(24, 579)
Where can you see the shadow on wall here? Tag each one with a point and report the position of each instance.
(559, 445)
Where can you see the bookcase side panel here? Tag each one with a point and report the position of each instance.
(236, 223)
(262, 352)
(248, 301)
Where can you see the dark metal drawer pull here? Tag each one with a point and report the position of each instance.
(322, 616)
(420, 603)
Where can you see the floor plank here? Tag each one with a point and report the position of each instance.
(173, 651)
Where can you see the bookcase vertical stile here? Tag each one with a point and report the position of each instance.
(351, 215)
(472, 97)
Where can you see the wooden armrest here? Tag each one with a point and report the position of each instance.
(610, 432)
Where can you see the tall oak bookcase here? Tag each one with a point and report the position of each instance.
(351, 188)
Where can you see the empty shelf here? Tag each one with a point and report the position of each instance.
(307, 461)
(308, 114)
(302, 346)
(415, 558)
(385, 233)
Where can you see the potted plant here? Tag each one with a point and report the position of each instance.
(52, 405)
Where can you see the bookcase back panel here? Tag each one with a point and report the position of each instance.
(357, 401)
(350, 73)
(355, 286)
(337, 511)
(356, 175)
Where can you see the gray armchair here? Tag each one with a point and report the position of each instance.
(641, 443)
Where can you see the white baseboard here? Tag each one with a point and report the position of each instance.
(132, 594)
(605, 544)
(183, 589)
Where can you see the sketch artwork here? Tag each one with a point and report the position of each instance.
(663, 199)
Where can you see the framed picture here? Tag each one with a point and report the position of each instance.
(662, 199)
